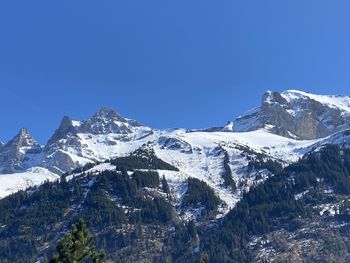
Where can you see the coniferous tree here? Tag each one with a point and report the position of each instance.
(76, 246)
(165, 186)
(191, 228)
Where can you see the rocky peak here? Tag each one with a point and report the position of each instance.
(271, 97)
(298, 114)
(107, 121)
(72, 141)
(13, 153)
(104, 121)
(23, 132)
(66, 127)
(22, 139)
(107, 113)
(66, 123)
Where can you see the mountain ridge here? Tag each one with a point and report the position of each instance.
(137, 184)
(196, 153)
(297, 114)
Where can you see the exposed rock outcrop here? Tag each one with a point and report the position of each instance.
(67, 148)
(299, 115)
(17, 154)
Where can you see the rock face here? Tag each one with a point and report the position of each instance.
(298, 115)
(19, 153)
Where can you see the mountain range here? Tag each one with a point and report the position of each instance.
(228, 164)
(284, 128)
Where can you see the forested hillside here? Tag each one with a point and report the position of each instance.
(300, 214)
(133, 218)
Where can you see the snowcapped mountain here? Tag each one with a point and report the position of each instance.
(282, 130)
(101, 137)
(113, 168)
(23, 162)
(202, 155)
(19, 153)
(298, 114)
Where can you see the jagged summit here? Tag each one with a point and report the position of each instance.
(79, 142)
(106, 112)
(15, 154)
(105, 121)
(66, 127)
(22, 139)
(298, 114)
(273, 97)
(23, 132)
(66, 122)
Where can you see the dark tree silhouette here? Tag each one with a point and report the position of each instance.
(165, 185)
(76, 246)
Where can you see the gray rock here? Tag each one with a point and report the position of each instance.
(59, 162)
(16, 155)
(107, 121)
(66, 128)
(295, 115)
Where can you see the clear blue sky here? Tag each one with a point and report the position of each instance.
(166, 63)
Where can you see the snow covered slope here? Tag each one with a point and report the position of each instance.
(338, 102)
(206, 156)
(340, 138)
(202, 155)
(11, 183)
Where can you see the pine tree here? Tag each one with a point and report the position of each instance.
(165, 185)
(191, 229)
(76, 246)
